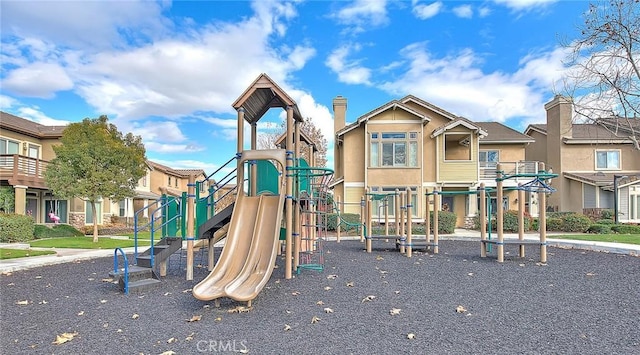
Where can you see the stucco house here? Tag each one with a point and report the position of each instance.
(590, 159)
(412, 143)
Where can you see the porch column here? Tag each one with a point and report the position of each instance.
(473, 204)
(21, 199)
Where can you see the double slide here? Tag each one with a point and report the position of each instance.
(249, 255)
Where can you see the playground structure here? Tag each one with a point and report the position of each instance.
(279, 198)
(403, 216)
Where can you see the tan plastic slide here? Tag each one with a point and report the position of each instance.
(248, 257)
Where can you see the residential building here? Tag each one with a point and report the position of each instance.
(410, 143)
(588, 157)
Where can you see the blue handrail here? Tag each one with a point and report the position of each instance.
(126, 268)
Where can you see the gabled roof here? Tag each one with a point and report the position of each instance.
(460, 121)
(183, 173)
(603, 129)
(394, 104)
(280, 142)
(540, 128)
(604, 179)
(29, 128)
(499, 133)
(429, 106)
(187, 172)
(262, 95)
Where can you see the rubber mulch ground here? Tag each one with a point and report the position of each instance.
(580, 302)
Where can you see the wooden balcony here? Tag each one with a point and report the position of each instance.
(22, 170)
(488, 169)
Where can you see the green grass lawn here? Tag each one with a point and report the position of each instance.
(85, 243)
(613, 238)
(20, 253)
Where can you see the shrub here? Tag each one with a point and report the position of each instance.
(15, 228)
(350, 218)
(510, 222)
(599, 228)
(554, 224)
(575, 223)
(446, 222)
(625, 229)
(535, 224)
(606, 214)
(109, 230)
(57, 231)
(605, 221)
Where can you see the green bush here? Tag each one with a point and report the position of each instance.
(575, 223)
(558, 214)
(446, 222)
(606, 214)
(57, 231)
(349, 218)
(599, 228)
(15, 228)
(625, 229)
(554, 224)
(510, 222)
(605, 221)
(535, 224)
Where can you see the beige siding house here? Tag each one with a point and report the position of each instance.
(410, 143)
(588, 158)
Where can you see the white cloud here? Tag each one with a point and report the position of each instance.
(38, 80)
(188, 164)
(172, 148)
(363, 14)
(7, 102)
(167, 131)
(518, 5)
(34, 114)
(424, 12)
(463, 11)
(349, 71)
(484, 11)
(457, 83)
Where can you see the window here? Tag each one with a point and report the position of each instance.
(144, 180)
(608, 159)
(56, 207)
(89, 217)
(488, 158)
(388, 149)
(9, 147)
(122, 208)
(169, 181)
(176, 182)
(390, 201)
(457, 146)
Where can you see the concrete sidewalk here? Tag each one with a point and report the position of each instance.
(71, 255)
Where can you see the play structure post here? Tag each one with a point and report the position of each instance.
(190, 224)
(403, 236)
(521, 218)
(427, 212)
(396, 213)
(254, 166)
(369, 208)
(297, 236)
(409, 223)
(363, 220)
(436, 207)
(289, 197)
(386, 215)
(542, 219)
(499, 213)
(338, 219)
(483, 220)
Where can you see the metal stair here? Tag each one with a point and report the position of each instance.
(219, 220)
(161, 251)
(140, 279)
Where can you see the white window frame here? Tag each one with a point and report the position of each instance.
(410, 141)
(6, 145)
(444, 146)
(607, 151)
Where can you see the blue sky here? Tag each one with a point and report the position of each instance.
(169, 71)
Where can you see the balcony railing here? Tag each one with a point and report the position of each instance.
(488, 169)
(22, 170)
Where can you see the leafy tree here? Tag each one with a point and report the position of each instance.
(267, 141)
(604, 66)
(96, 161)
(7, 199)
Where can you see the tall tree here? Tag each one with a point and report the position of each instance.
(267, 141)
(604, 62)
(96, 161)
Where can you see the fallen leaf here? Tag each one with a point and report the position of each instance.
(64, 337)
(194, 319)
(135, 316)
(328, 310)
(394, 311)
(206, 306)
(521, 265)
(460, 309)
(90, 279)
(411, 336)
(417, 263)
(591, 274)
(397, 292)
(320, 303)
(368, 298)
(287, 327)
(218, 319)
(39, 277)
(379, 257)
(22, 303)
(331, 277)
(11, 284)
(103, 301)
(81, 313)
(189, 337)
(186, 291)
(167, 293)
(243, 351)
(172, 340)
(541, 264)
(327, 288)
(383, 272)
(295, 293)
(470, 274)
(107, 280)
(119, 331)
(43, 302)
(315, 319)
(350, 284)
(168, 352)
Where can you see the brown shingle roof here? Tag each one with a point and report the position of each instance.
(604, 129)
(27, 127)
(499, 133)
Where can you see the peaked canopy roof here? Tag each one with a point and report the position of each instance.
(280, 141)
(262, 95)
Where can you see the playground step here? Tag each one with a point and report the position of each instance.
(140, 278)
(161, 251)
(143, 285)
(219, 220)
